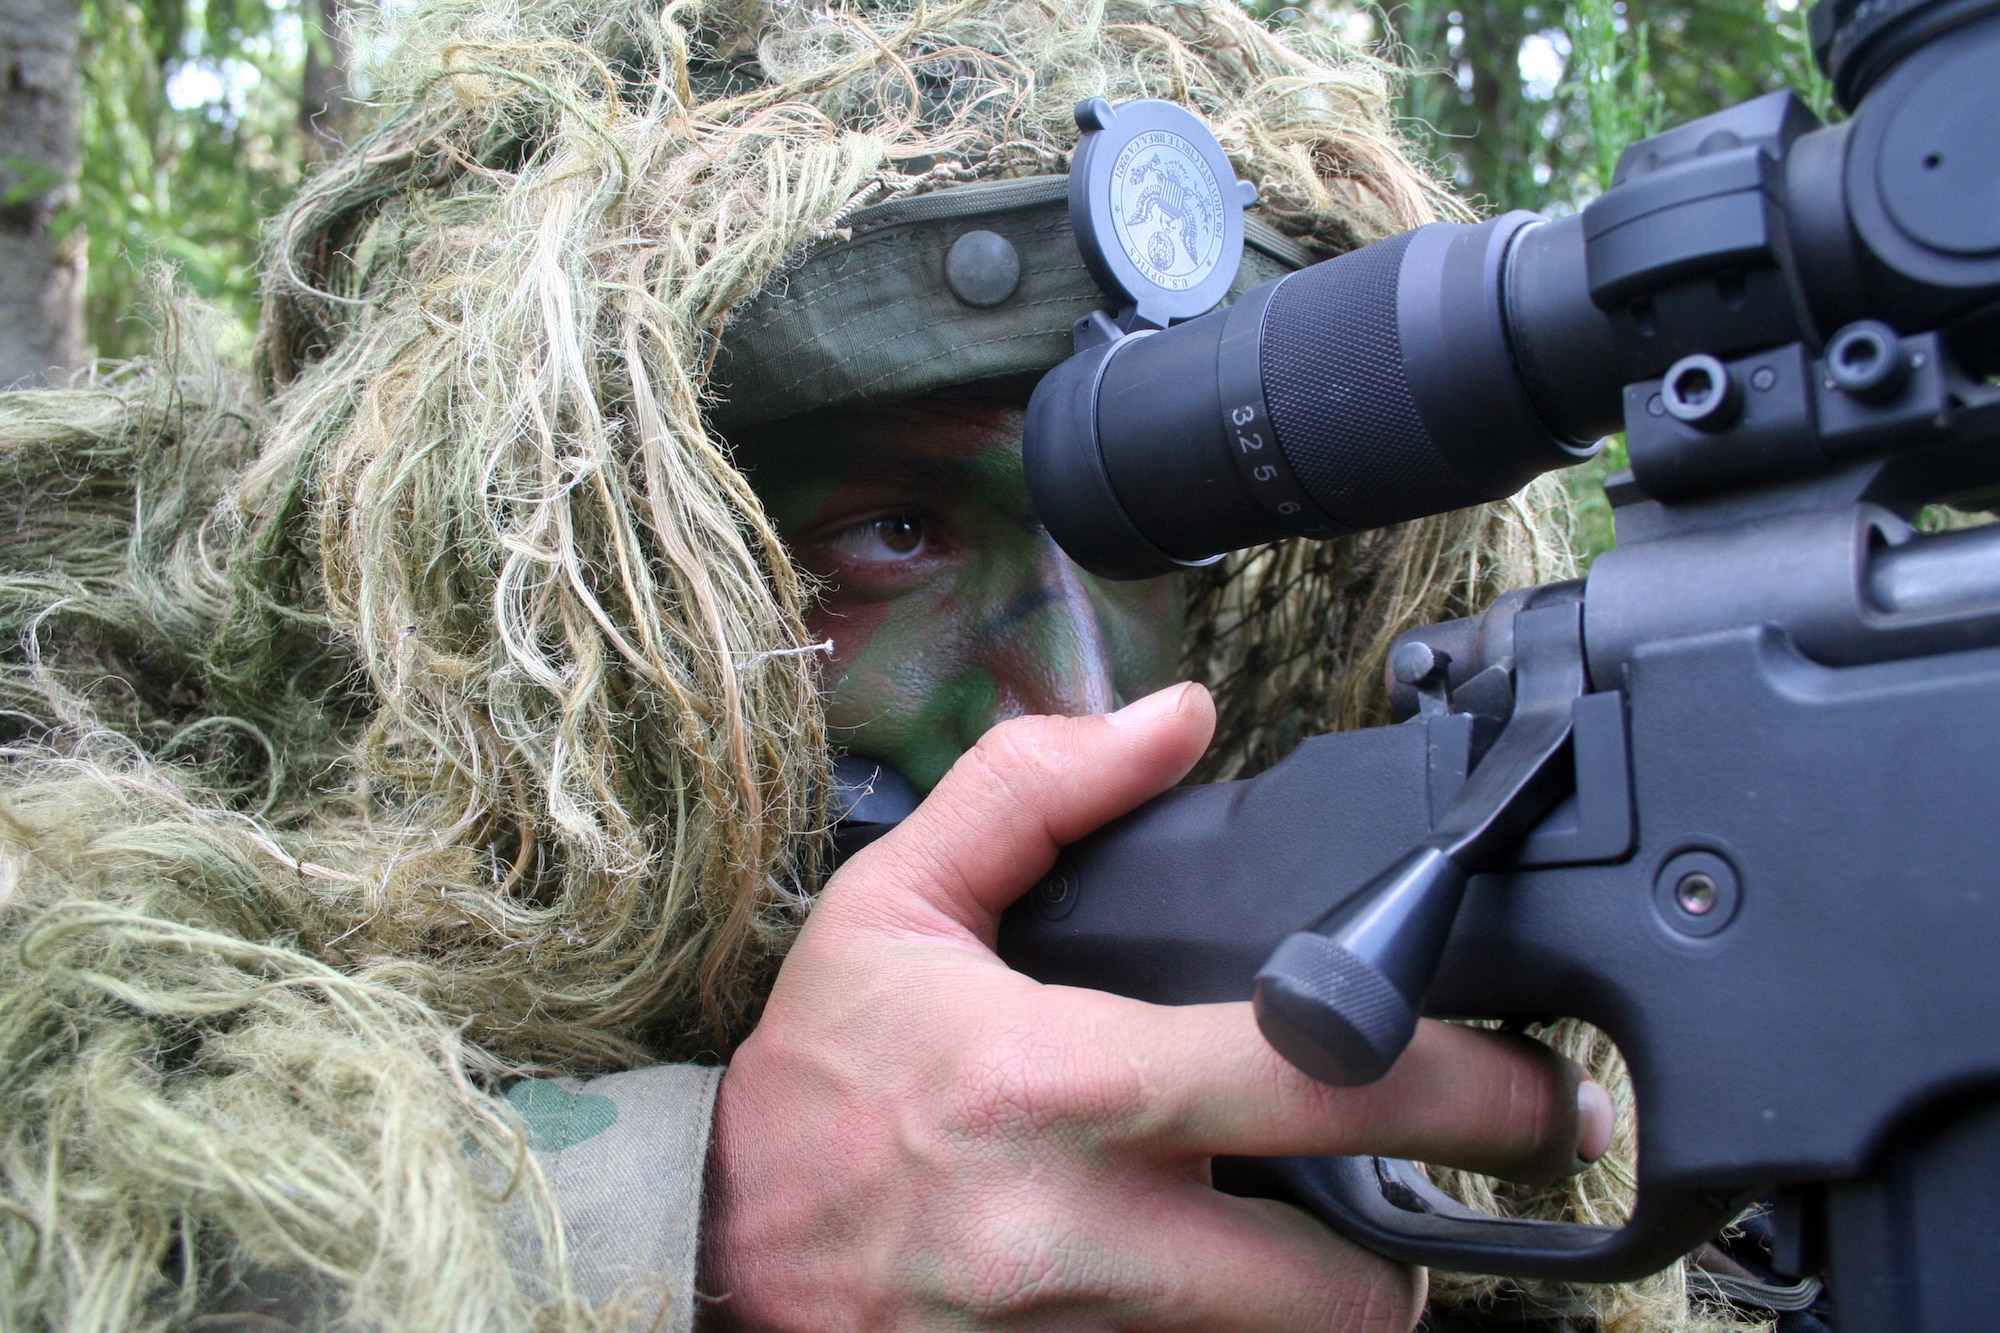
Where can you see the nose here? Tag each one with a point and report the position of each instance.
(1027, 638)
(1046, 650)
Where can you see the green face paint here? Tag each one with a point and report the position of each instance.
(949, 607)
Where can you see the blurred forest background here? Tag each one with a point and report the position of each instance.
(134, 131)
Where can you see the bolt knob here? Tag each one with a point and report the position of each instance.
(1340, 999)
(1414, 663)
(1330, 1012)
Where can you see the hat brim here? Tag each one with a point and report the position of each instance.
(873, 315)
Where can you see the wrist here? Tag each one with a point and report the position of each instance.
(714, 1284)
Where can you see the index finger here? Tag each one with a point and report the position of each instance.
(1200, 1080)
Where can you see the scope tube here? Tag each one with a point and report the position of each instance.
(1369, 389)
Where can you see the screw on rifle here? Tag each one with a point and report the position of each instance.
(1866, 360)
(1700, 391)
(1053, 891)
(1696, 893)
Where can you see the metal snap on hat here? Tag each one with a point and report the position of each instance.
(875, 314)
(982, 268)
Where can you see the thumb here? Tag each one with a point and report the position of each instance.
(993, 826)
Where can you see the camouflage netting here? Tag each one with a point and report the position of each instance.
(419, 713)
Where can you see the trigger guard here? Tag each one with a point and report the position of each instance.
(1391, 1207)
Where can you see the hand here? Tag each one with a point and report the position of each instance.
(917, 1136)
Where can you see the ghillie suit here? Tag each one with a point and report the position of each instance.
(430, 713)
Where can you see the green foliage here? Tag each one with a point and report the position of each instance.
(1527, 105)
(1590, 512)
(1530, 105)
(189, 142)
(1614, 70)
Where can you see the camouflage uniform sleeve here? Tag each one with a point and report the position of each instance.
(624, 1156)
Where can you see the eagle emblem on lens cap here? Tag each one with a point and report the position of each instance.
(1157, 210)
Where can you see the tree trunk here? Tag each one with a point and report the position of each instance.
(326, 109)
(41, 272)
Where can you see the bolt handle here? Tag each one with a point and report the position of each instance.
(1340, 998)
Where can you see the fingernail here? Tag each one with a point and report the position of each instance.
(1594, 1121)
(1151, 708)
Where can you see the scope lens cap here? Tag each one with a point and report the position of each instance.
(1156, 208)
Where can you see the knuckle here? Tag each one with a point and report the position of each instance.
(1015, 750)
(1055, 1076)
(1016, 1079)
(1387, 1298)
(1005, 1268)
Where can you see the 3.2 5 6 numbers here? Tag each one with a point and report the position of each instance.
(1251, 442)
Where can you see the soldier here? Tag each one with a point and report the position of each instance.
(412, 812)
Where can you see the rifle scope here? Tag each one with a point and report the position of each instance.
(1452, 364)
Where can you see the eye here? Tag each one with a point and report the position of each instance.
(885, 540)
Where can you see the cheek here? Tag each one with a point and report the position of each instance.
(889, 653)
(881, 667)
(914, 678)
(1144, 631)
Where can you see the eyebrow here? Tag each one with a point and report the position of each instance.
(889, 468)
(860, 464)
